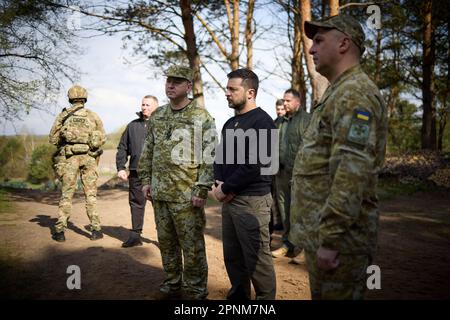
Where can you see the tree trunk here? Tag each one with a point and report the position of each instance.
(442, 124)
(298, 76)
(334, 7)
(445, 108)
(392, 99)
(249, 33)
(429, 112)
(192, 52)
(378, 59)
(318, 83)
(233, 23)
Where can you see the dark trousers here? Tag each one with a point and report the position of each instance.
(137, 201)
(245, 234)
(283, 199)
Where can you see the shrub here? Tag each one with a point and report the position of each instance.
(40, 168)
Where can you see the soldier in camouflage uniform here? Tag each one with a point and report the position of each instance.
(334, 213)
(78, 135)
(176, 179)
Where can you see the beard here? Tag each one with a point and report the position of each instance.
(238, 105)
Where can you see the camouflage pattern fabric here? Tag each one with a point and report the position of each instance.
(77, 92)
(80, 136)
(87, 167)
(347, 282)
(177, 176)
(180, 72)
(344, 23)
(180, 228)
(334, 201)
(82, 127)
(171, 162)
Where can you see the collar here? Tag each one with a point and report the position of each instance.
(189, 105)
(346, 74)
(76, 105)
(141, 116)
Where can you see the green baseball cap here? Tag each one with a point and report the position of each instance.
(344, 23)
(177, 71)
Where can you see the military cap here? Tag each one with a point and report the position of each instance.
(344, 23)
(177, 71)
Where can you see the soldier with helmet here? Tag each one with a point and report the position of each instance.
(78, 135)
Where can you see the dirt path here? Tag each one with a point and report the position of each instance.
(414, 254)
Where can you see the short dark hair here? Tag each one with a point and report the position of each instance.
(294, 92)
(249, 78)
(279, 102)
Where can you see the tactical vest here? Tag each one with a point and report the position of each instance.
(77, 131)
(77, 128)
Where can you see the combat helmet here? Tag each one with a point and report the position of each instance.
(77, 92)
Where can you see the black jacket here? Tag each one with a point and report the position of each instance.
(131, 143)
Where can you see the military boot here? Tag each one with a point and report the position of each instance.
(96, 234)
(133, 240)
(59, 236)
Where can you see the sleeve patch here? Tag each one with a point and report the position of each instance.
(359, 128)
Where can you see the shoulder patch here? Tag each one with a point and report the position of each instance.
(359, 130)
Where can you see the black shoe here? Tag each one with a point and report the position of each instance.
(132, 242)
(59, 236)
(96, 234)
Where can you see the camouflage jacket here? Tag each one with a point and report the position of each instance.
(334, 201)
(292, 139)
(93, 123)
(177, 159)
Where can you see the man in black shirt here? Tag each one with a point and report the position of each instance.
(131, 144)
(243, 171)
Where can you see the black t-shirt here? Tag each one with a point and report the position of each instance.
(243, 157)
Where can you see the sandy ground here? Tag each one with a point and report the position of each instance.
(414, 251)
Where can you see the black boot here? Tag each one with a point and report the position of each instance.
(133, 241)
(59, 236)
(96, 234)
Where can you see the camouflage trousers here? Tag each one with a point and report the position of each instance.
(180, 228)
(87, 167)
(347, 282)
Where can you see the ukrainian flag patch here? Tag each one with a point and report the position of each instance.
(363, 115)
(359, 130)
